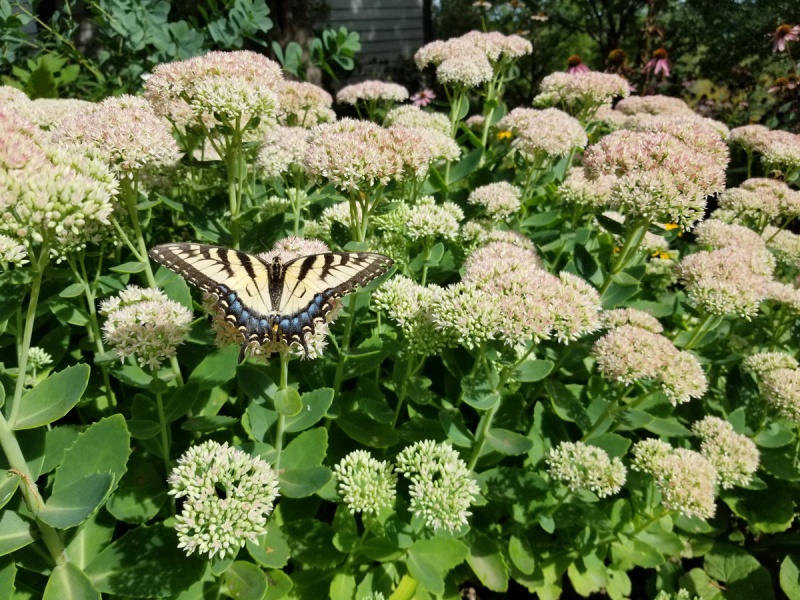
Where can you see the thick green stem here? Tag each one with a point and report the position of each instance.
(486, 423)
(130, 192)
(33, 500)
(428, 249)
(699, 331)
(281, 424)
(632, 242)
(94, 325)
(401, 393)
(22, 365)
(345, 347)
(164, 427)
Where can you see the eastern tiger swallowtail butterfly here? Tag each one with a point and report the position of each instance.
(272, 300)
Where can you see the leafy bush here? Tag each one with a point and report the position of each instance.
(579, 376)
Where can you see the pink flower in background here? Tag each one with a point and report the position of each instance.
(423, 97)
(575, 65)
(784, 33)
(659, 64)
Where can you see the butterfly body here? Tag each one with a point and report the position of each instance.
(272, 300)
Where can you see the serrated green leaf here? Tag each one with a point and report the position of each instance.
(216, 368)
(142, 564)
(487, 562)
(129, 268)
(790, 577)
(66, 582)
(52, 398)
(306, 450)
(519, 549)
(533, 370)
(15, 532)
(75, 501)
(140, 494)
(245, 581)
(288, 402)
(508, 442)
(315, 406)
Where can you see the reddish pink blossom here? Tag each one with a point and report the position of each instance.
(784, 33)
(423, 97)
(575, 65)
(659, 64)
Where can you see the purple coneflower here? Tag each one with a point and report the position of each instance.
(659, 64)
(784, 33)
(423, 97)
(575, 65)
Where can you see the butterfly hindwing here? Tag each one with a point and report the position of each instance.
(271, 300)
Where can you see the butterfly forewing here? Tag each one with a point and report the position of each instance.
(270, 300)
(333, 274)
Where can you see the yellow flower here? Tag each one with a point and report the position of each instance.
(670, 226)
(504, 135)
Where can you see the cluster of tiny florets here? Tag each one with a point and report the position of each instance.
(734, 456)
(282, 148)
(216, 88)
(371, 91)
(581, 94)
(584, 467)
(365, 483)
(657, 176)
(500, 200)
(146, 324)
(124, 131)
(628, 353)
(686, 479)
(302, 104)
(440, 484)
(227, 497)
(547, 133)
(413, 116)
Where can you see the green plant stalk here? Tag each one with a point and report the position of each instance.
(345, 346)
(699, 331)
(401, 393)
(16, 460)
(428, 250)
(405, 590)
(27, 336)
(139, 250)
(632, 243)
(94, 325)
(486, 423)
(281, 423)
(131, 193)
(163, 427)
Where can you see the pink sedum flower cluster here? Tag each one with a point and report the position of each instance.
(372, 91)
(540, 134)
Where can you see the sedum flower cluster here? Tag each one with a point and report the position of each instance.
(728, 281)
(227, 88)
(302, 104)
(505, 295)
(282, 148)
(657, 177)
(12, 252)
(654, 105)
(581, 94)
(686, 479)
(410, 305)
(49, 113)
(372, 91)
(779, 382)
(758, 201)
(227, 497)
(440, 484)
(734, 456)
(778, 149)
(413, 116)
(471, 60)
(543, 134)
(125, 132)
(61, 196)
(583, 467)
(500, 200)
(629, 353)
(365, 483)
(143, 322)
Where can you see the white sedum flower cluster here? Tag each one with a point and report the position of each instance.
(227, 497)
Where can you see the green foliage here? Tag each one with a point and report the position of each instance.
(332, 53)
